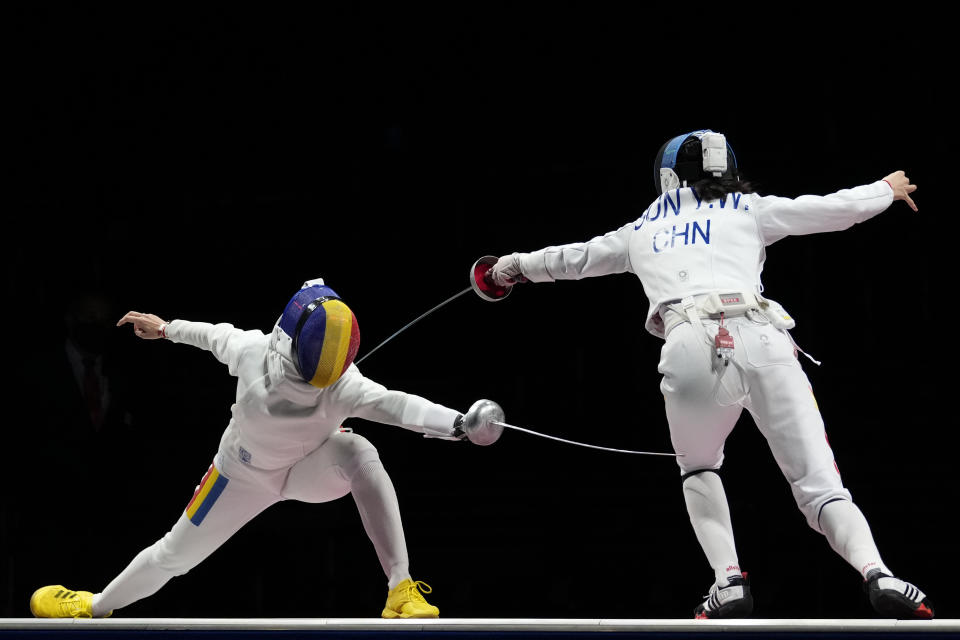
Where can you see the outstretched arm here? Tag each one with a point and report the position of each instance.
(223, 340)
(600, 256)
(778, 217)
(372, 401)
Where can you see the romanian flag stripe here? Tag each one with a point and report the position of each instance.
(200, 486)
(206, 495)
(336, 343)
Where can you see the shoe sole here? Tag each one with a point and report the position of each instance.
(391, 614)
(741, 608)
(894, 605)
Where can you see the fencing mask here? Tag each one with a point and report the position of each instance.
(324, 334)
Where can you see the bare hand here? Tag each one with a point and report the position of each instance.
(902, 187)
(145, 325)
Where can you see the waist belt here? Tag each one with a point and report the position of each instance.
(693, 309)
(710, 305)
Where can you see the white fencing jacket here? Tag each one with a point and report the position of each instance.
(278, 418)
(683, 246)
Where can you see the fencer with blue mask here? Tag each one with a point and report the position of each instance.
(699, 250)
(296, 385)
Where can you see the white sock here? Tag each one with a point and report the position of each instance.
(376, 500)
(98, 611)
(848, 533)
(139, 580)
(710, 516)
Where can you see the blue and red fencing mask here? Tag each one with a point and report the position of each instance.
(324, 332)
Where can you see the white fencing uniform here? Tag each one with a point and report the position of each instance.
(284, 442)
(683, 249)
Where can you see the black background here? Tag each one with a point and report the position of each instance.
(202, 163)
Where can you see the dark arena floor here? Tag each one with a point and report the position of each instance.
(362, 628)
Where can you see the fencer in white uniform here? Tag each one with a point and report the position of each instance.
(699, 250)
(284, 441)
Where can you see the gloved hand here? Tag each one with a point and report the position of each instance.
(506, 272)
(458, 432)
(454, 433)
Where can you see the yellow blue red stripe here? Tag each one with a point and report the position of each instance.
(206, 495)
(336, 343)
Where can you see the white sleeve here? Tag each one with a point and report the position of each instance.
(780, 217)
(223, 340)
(372, 401)
(600, 256)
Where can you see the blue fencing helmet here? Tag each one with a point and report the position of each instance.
(692, 157)
(324, 333)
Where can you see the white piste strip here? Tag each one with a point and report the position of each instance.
(489, 624)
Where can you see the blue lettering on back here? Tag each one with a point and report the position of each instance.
(697, 228)
(641, 220)
(685, 234)
(657, 249)
(674, 206)
(659, 205)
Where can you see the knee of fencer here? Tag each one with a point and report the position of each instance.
(697, 472)
(352, 453)
(815, 517)
(692, 463)
(812, 509)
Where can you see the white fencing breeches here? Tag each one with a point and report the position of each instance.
(766, 379)
(232, 493)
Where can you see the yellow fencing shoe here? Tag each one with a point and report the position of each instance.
(59, 602)
(406, 601)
